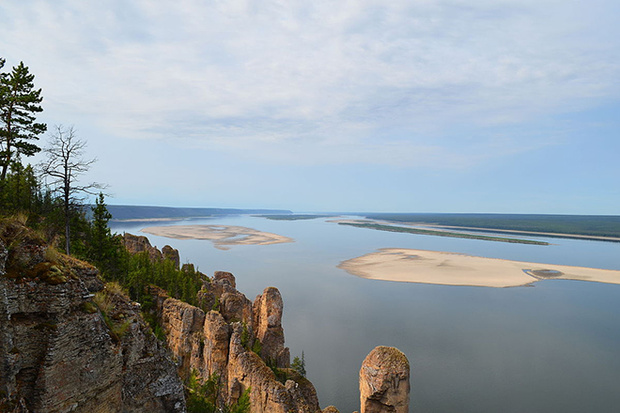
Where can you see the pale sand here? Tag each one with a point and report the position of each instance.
(446, 268)
(221, 235)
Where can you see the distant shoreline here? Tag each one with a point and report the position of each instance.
(416, 230)
(222, 236)
(447, 268)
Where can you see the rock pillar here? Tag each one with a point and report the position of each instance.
(384, 381)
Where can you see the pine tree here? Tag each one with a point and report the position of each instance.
(299, 365)
(104, 250)
(100, 233)
(19, 103)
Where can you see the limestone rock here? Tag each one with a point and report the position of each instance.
(183, 324)
(216, 338)
(223, 277)
(138, 243)
(247, 370)
(267, 311)
(58, 354)
(330, 409)
(234, 306)
(218, 341)
(384, 381)
(171, 254)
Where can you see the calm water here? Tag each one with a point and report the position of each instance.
(551, 347)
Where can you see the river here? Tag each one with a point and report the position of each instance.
(553, 346)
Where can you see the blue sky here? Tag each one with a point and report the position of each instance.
(421, 106)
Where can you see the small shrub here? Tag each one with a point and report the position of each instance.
(245, 337)
(257, 347)
(89, 307)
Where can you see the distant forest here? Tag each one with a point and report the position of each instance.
(588, 225)
(129, 212)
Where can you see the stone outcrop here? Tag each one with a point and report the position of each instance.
(234, 339)
(267, 310)
(137, 243)
(384, 381)
(59, 352)
(171, 254)
(247, 370)
(67, 343)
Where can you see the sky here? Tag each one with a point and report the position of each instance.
(506, 106)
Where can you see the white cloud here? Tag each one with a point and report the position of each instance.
(278, 77)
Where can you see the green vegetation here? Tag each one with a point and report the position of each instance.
(281, 374)
(68, 231)
(299, 365)
(586, 225)
(408, 230)
(107, 301)
(203, 397)
(64, 164)
(19, 104)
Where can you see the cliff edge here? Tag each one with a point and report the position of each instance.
(60, 351)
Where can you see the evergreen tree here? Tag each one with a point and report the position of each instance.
(299, 365)
(100, 234)
(104, 249)
(19, 103)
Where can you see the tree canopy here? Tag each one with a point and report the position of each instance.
(19, 104)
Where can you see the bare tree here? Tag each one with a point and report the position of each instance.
(64, 164)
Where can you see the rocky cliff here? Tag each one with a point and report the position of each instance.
(60, 352)
(242, 343)
(69, 344)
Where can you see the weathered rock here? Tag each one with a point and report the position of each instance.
(234, 306)
(330, 409)
(247, 370)
(223, 277)
(216, 338)
(57, 353)
(267, 311)
(219, 342)
(384, 381)
(138, 243)
(171, 254)
(183, 324)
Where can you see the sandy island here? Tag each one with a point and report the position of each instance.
(221, 235)
(446, 268)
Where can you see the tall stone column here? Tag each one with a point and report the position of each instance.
(384, 381)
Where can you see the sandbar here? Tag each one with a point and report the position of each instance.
(447, 268)
(222, 236)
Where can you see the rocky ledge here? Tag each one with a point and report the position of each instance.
(60, 350)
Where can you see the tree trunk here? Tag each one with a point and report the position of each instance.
(67, 227)
(67, 194)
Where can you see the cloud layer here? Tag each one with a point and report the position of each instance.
(320, 82)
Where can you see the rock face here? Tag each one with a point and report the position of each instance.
(136, 244)
(58, 353)
(171, 254)
(69, 344)
(232, 338)
(384, 381)
(267, 310)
